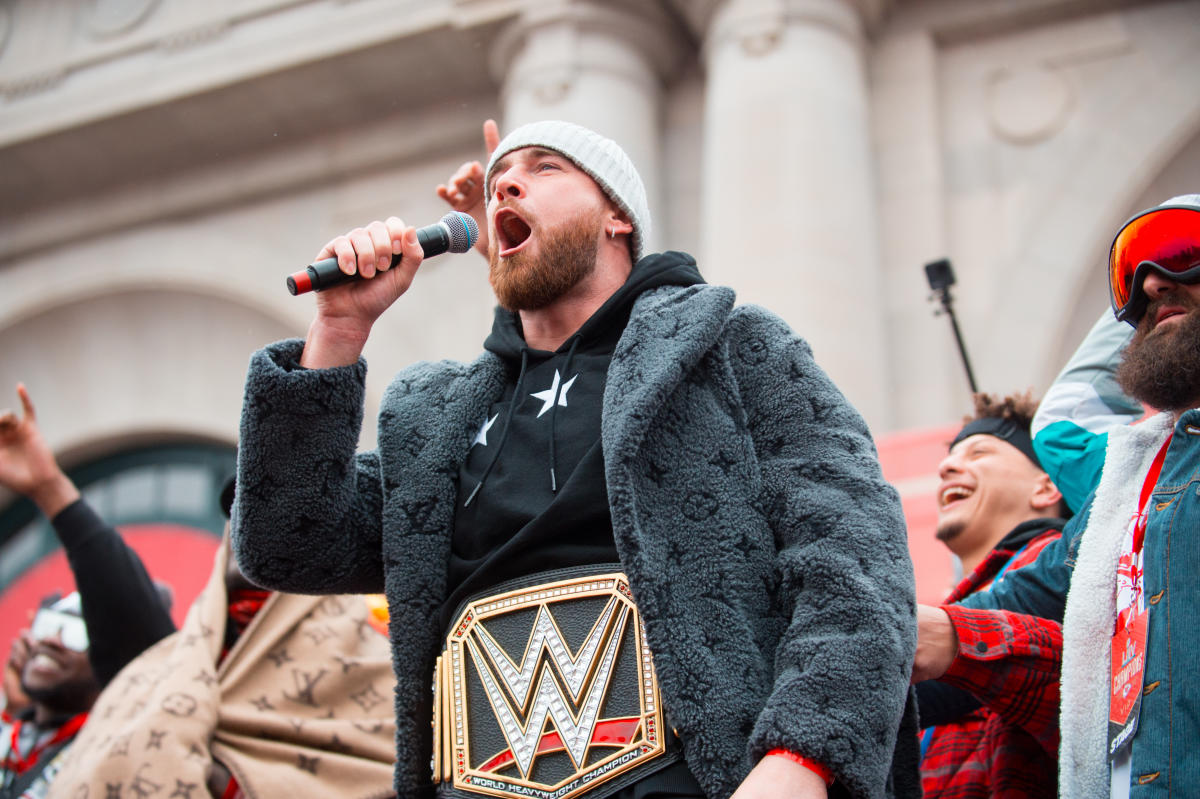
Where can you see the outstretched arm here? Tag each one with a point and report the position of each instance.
(121, 607)
(1039, 588)
(1070, 430)
(1011, 662)
(27, 464)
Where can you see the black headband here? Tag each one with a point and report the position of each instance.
(1004, 429)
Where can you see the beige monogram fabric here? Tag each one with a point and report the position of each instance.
(301, 707)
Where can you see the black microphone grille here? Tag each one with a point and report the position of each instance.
(463, 231)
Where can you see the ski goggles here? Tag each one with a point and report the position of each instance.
(69, 628)
(1164, 240)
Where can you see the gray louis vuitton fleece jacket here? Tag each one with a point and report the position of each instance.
(766, 552)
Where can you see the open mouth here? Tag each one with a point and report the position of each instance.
(40, 661)
(953, 494)
(511, 231)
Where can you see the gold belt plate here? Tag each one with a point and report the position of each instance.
(546, 692)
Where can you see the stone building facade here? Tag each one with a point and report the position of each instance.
(165, 164)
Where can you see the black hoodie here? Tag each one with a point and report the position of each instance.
(531, 493)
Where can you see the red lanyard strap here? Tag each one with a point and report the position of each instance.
(20, 764)
(1139, 535)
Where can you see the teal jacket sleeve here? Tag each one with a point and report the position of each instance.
(1039, 588)
(1070, 430)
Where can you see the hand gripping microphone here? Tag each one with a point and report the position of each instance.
(455, 232)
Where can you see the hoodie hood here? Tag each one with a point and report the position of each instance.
(605, 326)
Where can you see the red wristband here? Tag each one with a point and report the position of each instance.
(812, 765)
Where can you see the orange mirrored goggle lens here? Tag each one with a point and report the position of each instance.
(1168, 238)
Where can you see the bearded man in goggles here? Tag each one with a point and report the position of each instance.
(1131, 557)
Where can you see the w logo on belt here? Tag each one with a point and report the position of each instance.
(547, 692)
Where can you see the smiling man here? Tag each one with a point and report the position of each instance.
(641, 547)
(1129, 557)
(993, 493)
(58, 679)
(997, 510)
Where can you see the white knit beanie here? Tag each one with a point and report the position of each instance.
(600, 158)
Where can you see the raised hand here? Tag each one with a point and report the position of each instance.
(27, 463)
(465, 190)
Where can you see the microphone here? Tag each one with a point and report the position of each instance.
(455, 232)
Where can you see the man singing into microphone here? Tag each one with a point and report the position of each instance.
(640, 547)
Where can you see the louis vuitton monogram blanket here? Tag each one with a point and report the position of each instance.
(301, 706)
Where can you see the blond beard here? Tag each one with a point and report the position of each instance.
(525, 282)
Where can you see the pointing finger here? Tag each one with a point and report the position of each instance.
(491, 135)
(26, 402)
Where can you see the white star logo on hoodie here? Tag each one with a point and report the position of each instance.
(481, 436)
(549, 395)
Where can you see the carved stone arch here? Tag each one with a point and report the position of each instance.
(1137, 134)
(135, 362)
(1180, 175)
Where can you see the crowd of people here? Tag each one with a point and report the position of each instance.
(640, 548)
(257, 694)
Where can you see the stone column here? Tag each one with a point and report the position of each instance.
(789, 208)
(597, 64)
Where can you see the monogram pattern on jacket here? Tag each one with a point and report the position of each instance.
(764, 548)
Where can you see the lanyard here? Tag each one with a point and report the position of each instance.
(1129, 607)
(1139, 535)
(1127, 659)
(926, 740)
(1007, 565)
(20, 764)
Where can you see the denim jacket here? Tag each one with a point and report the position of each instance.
(1084, 560)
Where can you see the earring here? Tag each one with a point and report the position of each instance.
(612, 232)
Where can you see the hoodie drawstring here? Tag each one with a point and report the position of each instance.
(554, 412)
(512, 407)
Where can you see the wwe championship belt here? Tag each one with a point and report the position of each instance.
(547, 691)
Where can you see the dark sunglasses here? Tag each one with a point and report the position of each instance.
(70, 629)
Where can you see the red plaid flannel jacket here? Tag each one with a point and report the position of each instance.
(1012, 663)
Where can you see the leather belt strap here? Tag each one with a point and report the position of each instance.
(547, 691)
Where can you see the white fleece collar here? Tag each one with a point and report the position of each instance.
(1091, 609)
